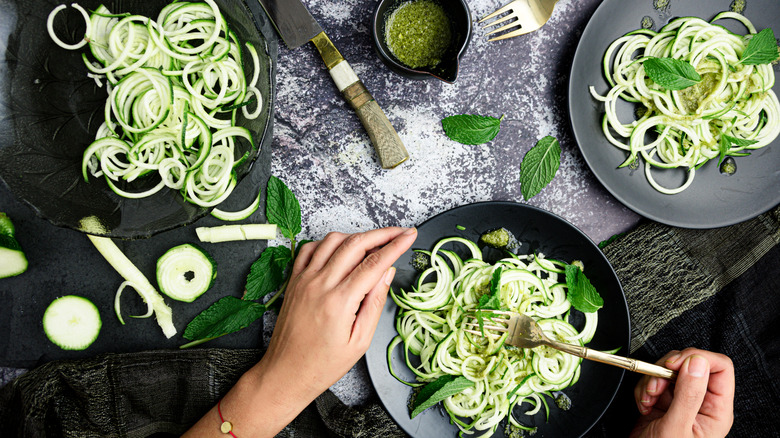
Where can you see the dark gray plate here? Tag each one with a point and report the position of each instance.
(713, 200)
(537, 230)
(50, 111)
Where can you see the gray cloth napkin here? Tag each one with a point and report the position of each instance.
(714, 289)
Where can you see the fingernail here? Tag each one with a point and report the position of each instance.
(389, 275)
(673, 359)
(644, 401)
(410, 231)
(644, 410)
(652, 385)
(697, 366)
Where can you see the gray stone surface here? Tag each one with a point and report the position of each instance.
(322, 152)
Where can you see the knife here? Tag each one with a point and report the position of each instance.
(296, 27)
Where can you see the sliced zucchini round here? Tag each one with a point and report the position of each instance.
(185, 272)
(72, 322)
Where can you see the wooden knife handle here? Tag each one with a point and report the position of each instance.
(387, 143)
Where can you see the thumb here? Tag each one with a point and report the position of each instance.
(689, 392)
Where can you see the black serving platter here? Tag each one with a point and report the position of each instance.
(713, 199)
(537, 231)
(50, 112)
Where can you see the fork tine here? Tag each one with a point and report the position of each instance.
(497, 328)
(498, 21)
(511, 25)
(476, 332)
(518, 32)
(498, 11)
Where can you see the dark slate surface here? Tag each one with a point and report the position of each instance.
(321, 151)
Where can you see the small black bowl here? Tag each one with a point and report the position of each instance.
(446, 70)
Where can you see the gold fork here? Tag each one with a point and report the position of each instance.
(525, 333)
(529, 15)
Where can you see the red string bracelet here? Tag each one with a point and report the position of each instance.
(226, 427)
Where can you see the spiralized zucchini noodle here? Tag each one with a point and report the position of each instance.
(683, 128)
(175, 86)
(431, 322)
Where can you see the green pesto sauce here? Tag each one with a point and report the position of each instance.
(693, 96)
(738, 6)
(661, 4)
(418, 33)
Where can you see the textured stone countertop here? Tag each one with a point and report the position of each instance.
(322, 152)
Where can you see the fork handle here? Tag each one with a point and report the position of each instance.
(612, 359)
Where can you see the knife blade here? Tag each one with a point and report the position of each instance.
(296, 26)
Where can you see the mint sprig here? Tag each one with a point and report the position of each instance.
(471, 129)
(269, 273)
(539, 166)
(436, 391)
(582, 295)
(761, 49)
(671, 73)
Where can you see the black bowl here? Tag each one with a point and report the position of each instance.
(537, 231)
(50, 111)
(447, 70)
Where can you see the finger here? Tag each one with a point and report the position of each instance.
(689, 391)
(369, 271)
(303, 258)
(355, 248)
(370, 311)
(325, 250)
(720, 400)
(648, 388)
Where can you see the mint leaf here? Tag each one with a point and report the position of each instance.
(670, 73)
(471, 128)
(492, 300)
(282, 208)
(267, 272)
(539, 166)
(724, 145)
(761, 49)
(228, 315)
(582, 295)
(740, 142)
(436, 391)
(723, 148)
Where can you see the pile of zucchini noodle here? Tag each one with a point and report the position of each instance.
(175, 86)
(430, 325)
(687, 127)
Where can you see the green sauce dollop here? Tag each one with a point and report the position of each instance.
(418, 33)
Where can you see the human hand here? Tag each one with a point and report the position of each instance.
(338, 287)
(699, 404)
(337, 290)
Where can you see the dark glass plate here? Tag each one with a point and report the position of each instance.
(538, 231)
(712, 200)
(50, 111)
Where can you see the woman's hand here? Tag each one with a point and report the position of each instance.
(337, 290)
(699, 404)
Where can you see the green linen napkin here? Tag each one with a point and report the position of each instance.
(713, 289)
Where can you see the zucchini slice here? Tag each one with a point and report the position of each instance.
(185, 272)
(12, 259)
(72, 322)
